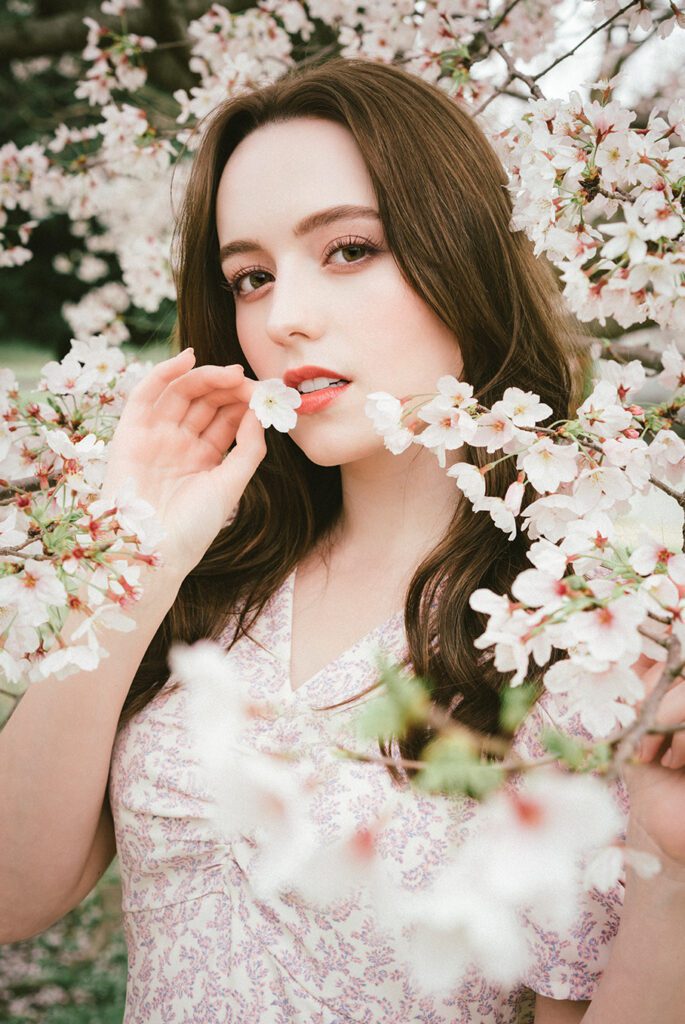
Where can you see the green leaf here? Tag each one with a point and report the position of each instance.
(452, 765)
(599, 757)
(515, 703)
(403, 702)
(563, 747)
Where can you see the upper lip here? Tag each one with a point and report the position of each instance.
(294, 377)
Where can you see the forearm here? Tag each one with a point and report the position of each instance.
(644, 981)
(54, 762)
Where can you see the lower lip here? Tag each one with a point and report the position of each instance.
(317, 400)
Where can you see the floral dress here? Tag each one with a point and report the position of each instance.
(205, 946)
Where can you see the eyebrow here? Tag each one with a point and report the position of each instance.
(310, 223)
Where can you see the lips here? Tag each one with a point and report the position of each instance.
(294, 377)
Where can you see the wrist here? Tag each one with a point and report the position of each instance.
(160, 583)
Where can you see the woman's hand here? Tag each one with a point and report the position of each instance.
(172, 439)
(656, 784)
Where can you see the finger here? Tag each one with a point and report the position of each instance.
(148, 390)
(221, 432)
(172, 405)
(202, 411)
(671, 712)
(675, 755)
(240, 464)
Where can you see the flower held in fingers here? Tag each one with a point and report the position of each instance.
(274, 404)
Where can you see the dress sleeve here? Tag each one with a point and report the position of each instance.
(569, 964)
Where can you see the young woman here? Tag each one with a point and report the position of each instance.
(348, 222)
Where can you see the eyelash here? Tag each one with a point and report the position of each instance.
(341, 243)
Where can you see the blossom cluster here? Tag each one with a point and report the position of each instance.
(526, 854)
(586, 594)
(233, 53)
(115, 60)
(604, 201)
(63, 548)
(599, 197)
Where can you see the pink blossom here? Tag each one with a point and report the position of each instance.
(610, 631)
(523, 408)
(602, 413)
(493, 431)
(547, 464)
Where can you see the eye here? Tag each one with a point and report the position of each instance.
(254, 276)
(353, 249)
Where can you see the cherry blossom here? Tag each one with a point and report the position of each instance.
(385, 411)
(274, 404)
(603, 697)
(33, 591)
(602, 413)
(547, 464)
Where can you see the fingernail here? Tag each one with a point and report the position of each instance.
(667, 759)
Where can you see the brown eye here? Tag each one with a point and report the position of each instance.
(354, 251)
(255, 279)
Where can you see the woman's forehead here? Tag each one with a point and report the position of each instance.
(288, 170)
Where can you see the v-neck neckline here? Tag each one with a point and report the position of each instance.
(289, 608)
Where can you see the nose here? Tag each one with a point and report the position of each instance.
(294, 309)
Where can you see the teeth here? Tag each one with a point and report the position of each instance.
(317, 384)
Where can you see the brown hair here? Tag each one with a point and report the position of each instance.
(445, 208)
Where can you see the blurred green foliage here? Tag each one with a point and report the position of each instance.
(75, 971)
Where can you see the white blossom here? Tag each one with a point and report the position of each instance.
(274, 404)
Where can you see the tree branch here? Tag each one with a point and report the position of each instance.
(595, 30)
(64, 33)
(643, 724)
(511, 64)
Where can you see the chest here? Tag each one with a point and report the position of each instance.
(331, 613)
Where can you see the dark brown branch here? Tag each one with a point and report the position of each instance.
(623, 353)
(511, 65)
(25, 485)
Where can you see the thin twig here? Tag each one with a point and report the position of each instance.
(617, 193)
(598, 28)
(505, 13)
(623, 353)
(511, 65)
(640, 727)
(498, 92)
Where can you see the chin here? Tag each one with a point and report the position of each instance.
(331, 451)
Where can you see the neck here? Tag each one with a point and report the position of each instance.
(395, 507)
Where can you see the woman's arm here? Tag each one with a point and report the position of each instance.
(644, 981)
(559, 1011)
(54, 763)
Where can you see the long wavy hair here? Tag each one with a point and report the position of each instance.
(443, 201)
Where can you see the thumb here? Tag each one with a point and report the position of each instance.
(239, 466)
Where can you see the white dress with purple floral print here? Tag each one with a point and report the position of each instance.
(204, 948)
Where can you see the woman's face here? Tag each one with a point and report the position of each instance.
(326, 294)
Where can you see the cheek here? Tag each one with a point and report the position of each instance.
(250, 341)
(411, 327)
